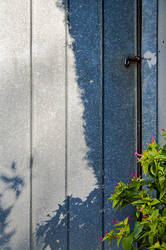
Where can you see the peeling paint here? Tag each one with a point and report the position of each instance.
(151, 58)
(81, 225)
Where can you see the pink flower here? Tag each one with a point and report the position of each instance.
(163, 130)
(115, 221)
(128, 217)
(144, 216)
(117, 184)
(101, 238)
(152, 139)
(106, 232)
(136, 154)
(115, 237)
(132, 174)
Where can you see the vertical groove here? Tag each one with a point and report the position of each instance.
(139, 83)
(66, 124)
(102, 112)
(157, 109)
(31, 135)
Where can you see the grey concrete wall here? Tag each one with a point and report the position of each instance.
(15, 124)
(161, 67)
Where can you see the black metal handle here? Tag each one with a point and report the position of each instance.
(132, 59)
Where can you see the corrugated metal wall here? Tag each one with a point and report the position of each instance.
(68, 119)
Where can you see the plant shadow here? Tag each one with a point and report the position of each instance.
(13, 183)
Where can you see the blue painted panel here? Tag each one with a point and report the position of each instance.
(85, 215)
(149, 51)
(119, 100)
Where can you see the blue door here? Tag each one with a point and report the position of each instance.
(68, 111)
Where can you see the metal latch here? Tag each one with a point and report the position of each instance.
(132, 59)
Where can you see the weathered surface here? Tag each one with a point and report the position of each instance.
(161, 67)
(80, 113)
(119, 100)
(84, 125)
(15, 124)
(48, 146)
(149, 70)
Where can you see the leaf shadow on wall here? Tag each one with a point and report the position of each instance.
(15, 184)
(84, 216)
(81, 220)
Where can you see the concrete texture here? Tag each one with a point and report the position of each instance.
(161, 68)
(15, 124)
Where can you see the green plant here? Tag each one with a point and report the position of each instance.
(148, 197)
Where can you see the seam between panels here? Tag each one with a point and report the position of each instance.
(66, 124)
(139, 82)
(102, 113)
(31, 121)
(157, 49)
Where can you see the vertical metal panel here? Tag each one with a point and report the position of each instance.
(68, 108)
(119, 100)
(139, 83)
(161, 66)
(149, 70)
(48, 184)
(84, 124)
(15, 124)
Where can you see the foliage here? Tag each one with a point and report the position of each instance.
(148, 197)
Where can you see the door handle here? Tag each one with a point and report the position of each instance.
(132, 59)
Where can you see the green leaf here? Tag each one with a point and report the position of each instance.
(164, 212)
(137, 214)
(163, 245)
(151, 237)
(138, 202)
(162, 157)
(156, 245)
(126, 221)
(127, 242)
(153, 226)
(152, 169)
(119, 239)
(144, 235)
(162, 194)
(161, 229)
(115, 202)
(145, 167)
(155, 213)
(155, 201)
(161, 179)
(137, 229)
